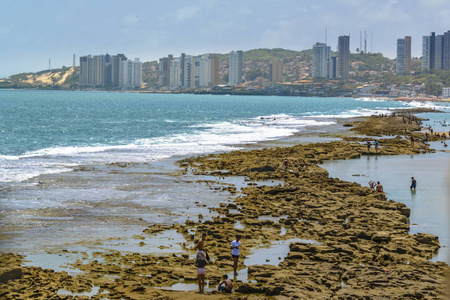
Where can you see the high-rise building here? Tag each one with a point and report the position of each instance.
(187, 71)
(333, 67)
(446, 51)
(175, 73)
(343, 60)
(84, 70)
(438, 52)
(164, 70)
(321, 60)
(403, 56)
(408, 53)
(206, 70)
(428, 52)
(99, 70)
(235, 68)
(214, 69)
(276, 71)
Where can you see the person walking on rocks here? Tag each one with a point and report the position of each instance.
(379, 188)
(368, 146)
(376, 146)
(235, 245)
(413, 184)
(285, 164)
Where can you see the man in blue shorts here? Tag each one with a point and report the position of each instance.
(413, 184)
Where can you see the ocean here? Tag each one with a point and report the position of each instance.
(63, 155)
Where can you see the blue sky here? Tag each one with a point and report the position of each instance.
(32, 31)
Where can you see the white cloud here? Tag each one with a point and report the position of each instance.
(130, 20)
(186, 13)
(274, 38)
(435, 3)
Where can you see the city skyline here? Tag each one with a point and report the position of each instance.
(32, 32)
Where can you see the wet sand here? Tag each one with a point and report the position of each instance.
(345, 240)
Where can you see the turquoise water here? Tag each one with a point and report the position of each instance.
(44, 132)
(63, 154)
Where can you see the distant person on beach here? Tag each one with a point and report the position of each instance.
(226, 286)
(235, 245)
(376, 146)
(368, 146)
(379, 187)
(201, 243)
(285, 164)
(412, 140)
(372, 184)
(413, 184)
(200, 263)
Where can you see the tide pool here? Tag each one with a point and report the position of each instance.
(429, 204)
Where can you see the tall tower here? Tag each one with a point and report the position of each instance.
(446, 58)
(408, 53)
(365, 42)
(235, 68)
(74, 61)
(401, 65)
(321, 60)
(276, 71)
(428, 52)
(343, 62)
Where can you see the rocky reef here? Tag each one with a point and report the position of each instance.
(362, 250)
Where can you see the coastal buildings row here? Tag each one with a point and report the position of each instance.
(326, 66)
(115, 71)
(436, 52)
(202, 71)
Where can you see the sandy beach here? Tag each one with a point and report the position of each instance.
(304, 234)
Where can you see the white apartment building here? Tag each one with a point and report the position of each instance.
(446, 92)
(235, 68)
(321, 60)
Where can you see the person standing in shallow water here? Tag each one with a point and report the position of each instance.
(201, 262)
(235, 245)
(413, 184)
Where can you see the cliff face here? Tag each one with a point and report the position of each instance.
(59, 78)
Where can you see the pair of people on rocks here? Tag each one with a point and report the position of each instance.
(202, 259)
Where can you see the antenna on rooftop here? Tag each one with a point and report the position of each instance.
(371, 42)
(325, 33)
(365, 42)
(360, 41)
(49, 64)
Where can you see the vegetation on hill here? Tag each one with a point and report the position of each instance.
(370, 62)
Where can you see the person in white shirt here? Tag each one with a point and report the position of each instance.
(235, 245)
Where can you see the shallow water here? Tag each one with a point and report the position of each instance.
(429, 204)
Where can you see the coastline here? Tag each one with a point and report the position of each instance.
(304, 187)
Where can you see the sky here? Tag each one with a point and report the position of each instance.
(34, 31)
